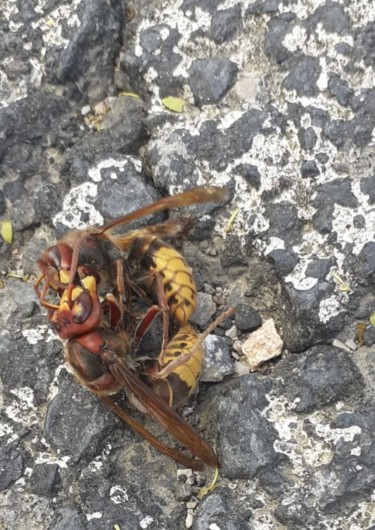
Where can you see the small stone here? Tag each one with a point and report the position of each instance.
(369, 336)
(231, 332)
(217, 360)
(241, 368)
(309, 169)
(204, 310)
(11, 465)
(262, 345)
(45, 480)
(283, 260)
(246, 318)
(211, 78)
(183, 492)
(303, 75)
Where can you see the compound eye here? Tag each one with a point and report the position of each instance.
(60, 256)
(53, 256)
(82, 307)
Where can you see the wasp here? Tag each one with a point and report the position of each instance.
(99, 349)
(97, 253)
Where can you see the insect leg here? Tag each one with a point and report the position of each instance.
(182, 359)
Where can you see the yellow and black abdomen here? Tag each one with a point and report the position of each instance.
(153, 254)
(177, 386)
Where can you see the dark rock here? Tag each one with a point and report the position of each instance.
(123, 137)
(303, 75)
(127, 193)
(322, 157)
(307, 138)
(292, 515)
(172, 166)
(359, 221)
(274, 482)
(214, 512)
(211, 78)
(332, 17)
(45, 480)
(232, 255)
(247, 318)
(12, 464)
(284, 222)
(89, 58)
(204, 310)
(367, 261)
(240, 135)
(366, 306)
(29, 362)
(217, 362)
(47, 201)
(278, 28)
(323, 219)
(262, 7)
(69, 519)
(14, 190)
(183, 492)
(368, 186)
(309, 169)
(247, 449)
(250, 173)
(225, 24)
(157, 53)
(2, 203)
(25, 126)
(352, 465)
(77, 424)
(322, 376)
(340, 89)
(369, 336)
(344, 49)
(338, 132)
(301, 322)
(367, 43)
(283, 260)
(337, 191)
(319, 268)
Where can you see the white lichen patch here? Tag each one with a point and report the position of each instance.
(75, 204)
(146, 521)
(347, 232)
(304, 450)
(51, 458)
(94, 173)
(331, 306)
(51, 23)
(118, 495)
(94, 515)
(22, 409)
(41, 333)
(7, 432)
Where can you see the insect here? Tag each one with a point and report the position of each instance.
(86, 263)
(101, 360)
(97, 253)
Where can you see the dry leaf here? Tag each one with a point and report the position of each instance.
(6, 231)
(263, 344)
(175, 104)
(360, 328)
(372, 319)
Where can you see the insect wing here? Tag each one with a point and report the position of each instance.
(186, 198)
(151, 439)
(165, 415)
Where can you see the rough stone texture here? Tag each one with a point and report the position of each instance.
(210, 79)
(294, 242)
